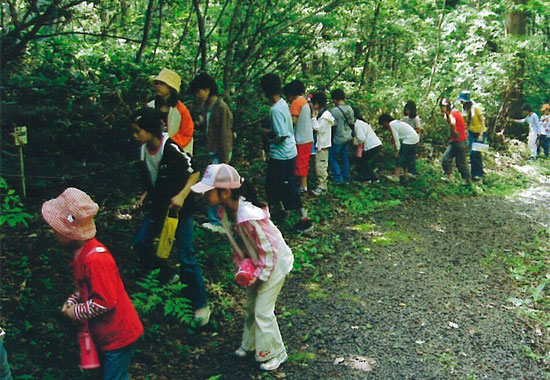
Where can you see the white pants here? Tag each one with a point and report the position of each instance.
(532, 144)
(261, 331)
(321, 168)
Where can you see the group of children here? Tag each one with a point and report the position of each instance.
(165, 131)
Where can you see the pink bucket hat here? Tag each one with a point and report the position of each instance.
(71, 214)
(221, 176)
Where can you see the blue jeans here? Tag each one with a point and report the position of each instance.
(190, 270)
(476, 161)
(116, 363)
(5, 372)
(339, 153)
(544, 145)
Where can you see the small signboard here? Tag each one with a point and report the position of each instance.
(20, 134)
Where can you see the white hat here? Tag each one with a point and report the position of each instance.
(221, 176)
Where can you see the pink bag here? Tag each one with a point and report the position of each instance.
(245, 273)
(88, 352)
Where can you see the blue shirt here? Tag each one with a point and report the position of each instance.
(280, 122)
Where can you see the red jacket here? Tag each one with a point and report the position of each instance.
(96, 277)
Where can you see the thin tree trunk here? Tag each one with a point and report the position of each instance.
(228, 66)
(202, 36)
(146, 28)
(437, 48)
(159, 30)
(370, 43)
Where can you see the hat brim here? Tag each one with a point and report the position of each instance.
(52, 217)
(201, 188)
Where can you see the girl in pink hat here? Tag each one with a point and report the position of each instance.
(253, 237)
(100, 302)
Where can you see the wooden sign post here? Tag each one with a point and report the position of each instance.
(20, 134)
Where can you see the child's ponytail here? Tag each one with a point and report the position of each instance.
(248, 192)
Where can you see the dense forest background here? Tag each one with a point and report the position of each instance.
(73, 71)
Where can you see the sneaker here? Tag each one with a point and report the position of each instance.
(303, 227)
(213, 227)
(393, 178)
(202, 316)
(317, 191)
(410, 175)
(447, 178)
(274, 363)
(302, 191)
(175, 279)
(241, 352)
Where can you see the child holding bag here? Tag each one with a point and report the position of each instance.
(101, 302)
(252, 236)
(168, 174)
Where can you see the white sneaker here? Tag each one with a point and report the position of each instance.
(317, 191)
(274, 363)
(241, 352)
(202, 316)
(393, 178)
(213, 227)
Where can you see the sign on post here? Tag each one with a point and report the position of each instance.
(20, 134)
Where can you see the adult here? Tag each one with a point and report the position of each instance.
(342, 131)
(475, 123)
(176, 116)
(458, 145)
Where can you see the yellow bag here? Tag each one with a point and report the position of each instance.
(166, 239)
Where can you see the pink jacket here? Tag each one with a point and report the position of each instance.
(253, 235)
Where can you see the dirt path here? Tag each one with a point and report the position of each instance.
(415, 293)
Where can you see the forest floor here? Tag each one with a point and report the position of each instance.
(420, 292)
(447, 287)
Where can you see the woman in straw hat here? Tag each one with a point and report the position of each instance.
(176, 116)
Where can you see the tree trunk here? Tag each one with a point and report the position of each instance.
(146, 28)
(228, 66)
(202, 35)
(159, 30)
(512, 97)
(372, 34)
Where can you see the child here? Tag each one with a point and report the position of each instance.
(168, 174)
(174, 113)
(370, 145)
(534, 128)
(252, 236)
(341, 137)
(475, 123)
(280, 182)
(322, 123)
(405, 140)
(459, 143)
(545, 129)
(219, 131)
(410, 116)
(101, 299)
(303, 131)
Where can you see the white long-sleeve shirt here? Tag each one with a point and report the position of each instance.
(533, 120)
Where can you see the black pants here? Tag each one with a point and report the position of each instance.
(280, 184)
